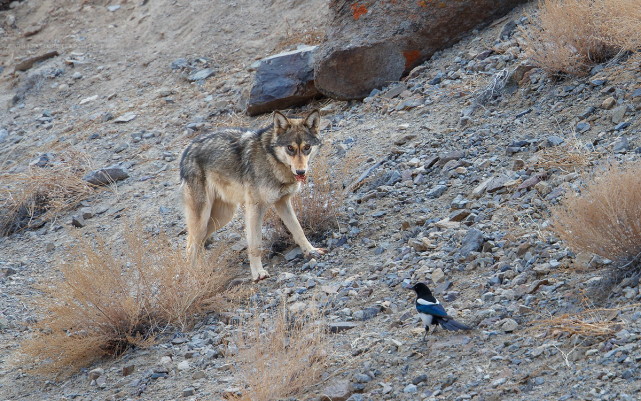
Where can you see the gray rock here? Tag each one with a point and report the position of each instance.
(410, 389)
(362, 378)
(283, 80)
(4, 134)
(201, 75)
(106, 176)
(622, 145)
(337, 391)
(77, 221)
(497, 183)
(508, 325)
(582, 127)
(293, 254)
(372, 44)
(367, 313)
(621, 126)
(618, 114)
(189, 391)
(95, 373)
(554, 140)
(436, 191)
(419, 379)
(337, 327)
(472, 242)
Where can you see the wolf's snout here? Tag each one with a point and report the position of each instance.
(301, 172)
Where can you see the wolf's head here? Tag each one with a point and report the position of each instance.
(295, 141)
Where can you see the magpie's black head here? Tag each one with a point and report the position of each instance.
(421, 290)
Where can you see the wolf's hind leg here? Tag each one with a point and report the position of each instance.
(197, 212)
(221, 214)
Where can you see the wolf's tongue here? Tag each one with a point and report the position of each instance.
(301, 177)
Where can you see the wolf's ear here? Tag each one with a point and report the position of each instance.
(281, 123)
(312, 121)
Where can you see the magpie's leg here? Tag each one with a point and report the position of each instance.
(427, 329)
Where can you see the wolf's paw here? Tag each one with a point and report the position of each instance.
(315, 252)
(261, 274)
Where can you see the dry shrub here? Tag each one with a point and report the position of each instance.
(569, 36)
(280, 358)
(109, 302)
(592, 322)
(310, 36)
(31, 198)
(604, 218)
(318, 204)
(571, 156)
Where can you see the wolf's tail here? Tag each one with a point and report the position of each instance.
(451, 324)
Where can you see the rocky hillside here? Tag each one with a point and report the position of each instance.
(450, 178)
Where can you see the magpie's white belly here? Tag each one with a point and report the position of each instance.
(427, 319)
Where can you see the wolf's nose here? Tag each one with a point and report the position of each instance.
(301, 172)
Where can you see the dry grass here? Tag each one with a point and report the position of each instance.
(40, 194)
(591, 322)
(569, 36)
(112, 299)
(318, 205)
(280, 358)
(604, 218)
(571, 156)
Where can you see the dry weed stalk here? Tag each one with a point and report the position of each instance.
(279, 357)
(604, 219)
(107, 303)
(40, 194)
(569, 157)
(571, 35)
(592, 322)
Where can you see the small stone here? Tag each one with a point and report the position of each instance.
(362, 378)
(608, 103)
(472, 242)
(419, 379)
(199, 375)
(621, 126)
(618, 114)
(554, 140)
(622, 145)
(113, 8)
(184, 365)
(508, 325)
(293, 254)
(582, 127)
(202, 74)
(189, 391)
(410, 389)
(337, 327)
(77, 221)
(96, 373)
(125, 118)
(337, 391)
(436, 191)
(106, 176)
(127, 370)
(438, 275)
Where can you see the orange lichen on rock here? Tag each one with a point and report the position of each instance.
(358, 10)
(410, 57)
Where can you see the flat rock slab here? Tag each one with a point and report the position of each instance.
(369, 45)
(283, 80)
(106, 176)
(27, 63)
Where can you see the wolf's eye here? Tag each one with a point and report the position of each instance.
(290, 148)
(306, 148)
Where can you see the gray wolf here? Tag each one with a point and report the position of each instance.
(257, 168)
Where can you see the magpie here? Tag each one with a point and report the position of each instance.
(431, 311)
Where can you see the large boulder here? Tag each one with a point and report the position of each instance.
(372, 43)
(283, 80)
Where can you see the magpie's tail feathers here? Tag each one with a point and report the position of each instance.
(453, 325)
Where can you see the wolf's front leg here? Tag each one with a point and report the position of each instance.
(286, 212)
(254, 213)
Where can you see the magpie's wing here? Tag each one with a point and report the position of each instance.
(434, 309)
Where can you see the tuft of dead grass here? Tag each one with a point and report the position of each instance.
(310, 36)
(111, 299)
(591, 322)
(604, 218)
(571, 156)
(29, 199)
(279, 357)
(569, 36)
